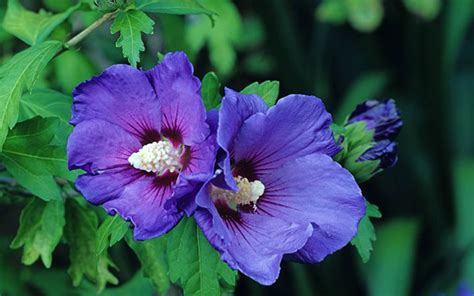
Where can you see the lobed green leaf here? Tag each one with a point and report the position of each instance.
(366, 232)
(18, 75)
(131, 24)
(111, 231)
(81, 235)
(41, 229)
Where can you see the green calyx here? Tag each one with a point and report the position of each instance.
(356, 140)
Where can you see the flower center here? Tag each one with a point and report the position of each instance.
(248, 194)
(158, 157)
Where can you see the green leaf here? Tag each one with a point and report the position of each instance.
(111, 231)
(48, 103)
(366, 233)
(365, 15)
(267, 90)
(41, 228)
(131, 24)
(222, 38)
(390, 271)
(82, 65)
(210, 91)
(45, 103)
(18, 75)
(32, 158)
(173, 7)
(81, 235)
(32, 27)
(427, 9)
(152, 256)
(193, 263)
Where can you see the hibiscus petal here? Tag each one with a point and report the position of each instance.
(296, 126)
(213, 120)
(235, 109)
(199, 163)
(102, 187)
(199, 159)
(257, 243)
(179, 92)
(317, 190)
(97, 145)
(123, 96)
(142, 202)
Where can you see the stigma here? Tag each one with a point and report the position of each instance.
(158, 157)
(248, 194)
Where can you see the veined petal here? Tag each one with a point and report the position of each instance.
(121, 95)
(317, 190)
(296, 126)
(106, 186)
(257, 243)
(97, 145)
(200, 158)
(143, 203)
(179, 92)
(235, 109)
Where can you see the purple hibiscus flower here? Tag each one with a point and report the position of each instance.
(277, 190)
(138, 136)
(384, 118)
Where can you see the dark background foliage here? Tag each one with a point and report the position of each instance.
(425, 239)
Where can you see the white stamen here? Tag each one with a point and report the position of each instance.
(248, 194)
(157, 157)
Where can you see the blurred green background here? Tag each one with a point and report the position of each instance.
(419, 52)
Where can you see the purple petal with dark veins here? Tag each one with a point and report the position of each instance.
(179, 92)
(97, 145)
(235, 109)
(143, 203)
(315, 189)
(257, 243)
(121, 95)
(296, 126)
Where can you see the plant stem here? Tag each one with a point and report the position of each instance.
(83, 34)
